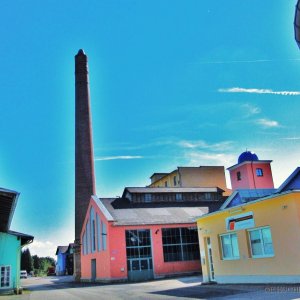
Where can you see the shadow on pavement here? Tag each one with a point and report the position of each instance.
(200, 292)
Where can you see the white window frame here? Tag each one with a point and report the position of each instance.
(5, 276)
(262, 242)
(221, 241)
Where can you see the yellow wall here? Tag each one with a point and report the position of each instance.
(281, 213)
(169, 178)
(204, 176)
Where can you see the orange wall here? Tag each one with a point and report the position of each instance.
(249, 179)
(112, 263)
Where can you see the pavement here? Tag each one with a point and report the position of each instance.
(64, 288)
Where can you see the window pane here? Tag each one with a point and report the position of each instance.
(235, 246)
(230, 246)
(226, 246)
(268, 244)
(256, 244)
(144, 264)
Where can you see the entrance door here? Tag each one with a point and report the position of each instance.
(93, 270)
(211, 271)
(139, 255)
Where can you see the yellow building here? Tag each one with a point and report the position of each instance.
(254, 237)
(203, 176)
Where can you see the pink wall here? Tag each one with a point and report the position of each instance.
(112, 263)
(249, 179)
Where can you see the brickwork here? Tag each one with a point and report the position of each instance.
(84, 157)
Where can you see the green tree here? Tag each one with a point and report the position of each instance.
(26, 260)
(36, 262)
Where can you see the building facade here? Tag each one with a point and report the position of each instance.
(254, 237)
(11, 243)
(251, 173)
(191, 177)
(139, 237)
(65, 260)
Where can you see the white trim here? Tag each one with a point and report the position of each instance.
(262, 242)
(241, 206)
(232, 257)
(10, 276)
(103, 209)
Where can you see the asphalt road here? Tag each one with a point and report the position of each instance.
(63, 288)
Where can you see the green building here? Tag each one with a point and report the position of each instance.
(11, 243)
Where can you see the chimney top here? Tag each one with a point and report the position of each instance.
(81, 52)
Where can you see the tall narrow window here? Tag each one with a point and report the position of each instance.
(230, 247)
(98, 232)
(261, 242)
(93, 229)
(238, 176)
(5, 277)
(166, 183)
(88, 237)
(83, 243)
(104, 236)
(174, 180)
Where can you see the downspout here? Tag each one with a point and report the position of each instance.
(253, 174)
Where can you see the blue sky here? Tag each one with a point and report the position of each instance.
(173, 83)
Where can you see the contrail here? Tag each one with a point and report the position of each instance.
(259, 91)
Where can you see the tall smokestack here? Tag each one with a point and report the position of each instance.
(84, 157)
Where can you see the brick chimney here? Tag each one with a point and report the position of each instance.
(84, 157)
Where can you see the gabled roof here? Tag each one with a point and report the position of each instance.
(61, 250)
(291, 183)
(8, 202)
(242, 196)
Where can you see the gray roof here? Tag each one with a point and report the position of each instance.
(150, 190)
(151, 216)
(241, 196)
(62, 249)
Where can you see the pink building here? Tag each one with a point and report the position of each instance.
(251, 173)
(148, 233)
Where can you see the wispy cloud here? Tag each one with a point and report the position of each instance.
(267, 123)
(291, 138)
(201, 158)
(259, 91)
(118, 157)
(252, 109)
(200, 144)
(244, 61)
